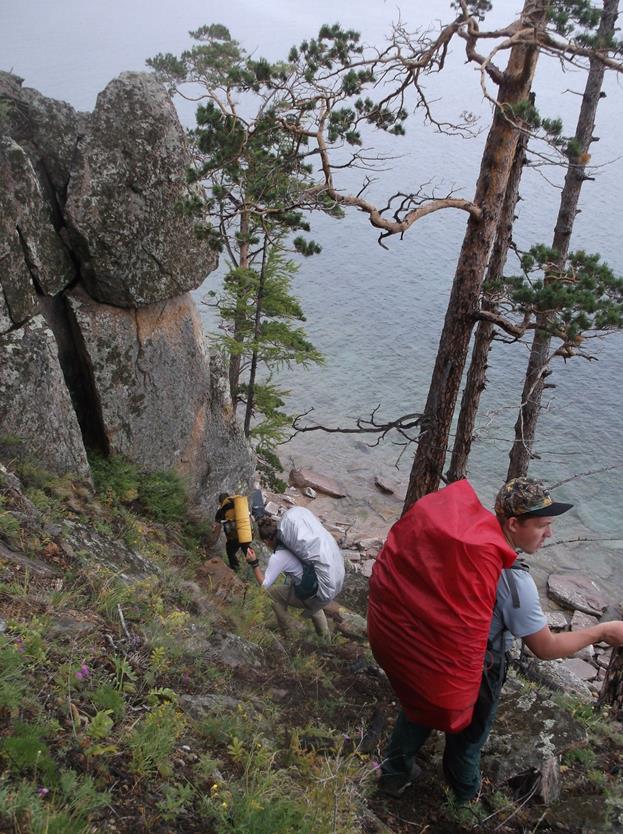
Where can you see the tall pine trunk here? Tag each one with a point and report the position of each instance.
(522, 451)
(464, 301)
(235, 360)
(257, 324)
(476, 380)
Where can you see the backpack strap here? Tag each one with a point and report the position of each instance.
(518, 564)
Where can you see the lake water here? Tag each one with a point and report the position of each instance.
(377, 314)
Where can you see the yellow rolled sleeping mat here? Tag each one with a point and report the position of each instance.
(243, 519)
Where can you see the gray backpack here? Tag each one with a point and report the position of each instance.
(303, 534)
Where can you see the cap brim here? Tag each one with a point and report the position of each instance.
(557, 508)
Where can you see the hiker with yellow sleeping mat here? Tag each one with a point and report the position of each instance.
(233, 515)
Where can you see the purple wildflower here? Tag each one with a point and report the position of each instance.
(43, 792)
(83, 672)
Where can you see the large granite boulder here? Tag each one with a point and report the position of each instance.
(47, 129)
(34, 259)
(162, 404)
(34, 402)
(135, 245)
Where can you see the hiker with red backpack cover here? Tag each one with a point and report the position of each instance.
(447, 596)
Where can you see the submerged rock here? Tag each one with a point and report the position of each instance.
(573, 590)
(302, 478)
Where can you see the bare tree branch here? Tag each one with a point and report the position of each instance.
(401, 425)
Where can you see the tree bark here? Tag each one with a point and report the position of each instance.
(476, 380)
(259, 304)
(522, 451)
(612, 689)
(240, 318)
(466, 288)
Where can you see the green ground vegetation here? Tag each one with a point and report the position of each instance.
(117, 714)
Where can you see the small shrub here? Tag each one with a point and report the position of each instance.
(63, 810)
(13, 683)
(153, 740)
(32, 642)
(160, 495)
(27, 752)
(115, 478)
(163, 497)
(109, 699)
(176, 799)
(81, 794)
(9, 525)
(584, 756)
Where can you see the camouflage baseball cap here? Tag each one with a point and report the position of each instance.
(527, 497)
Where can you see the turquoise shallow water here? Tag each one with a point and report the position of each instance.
(377, 314)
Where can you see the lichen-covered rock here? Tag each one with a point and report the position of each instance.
(34, 402)
(135, 245)
(529, 736)
(162, 406)
(557, 675)
(47, 129)
(33, 256)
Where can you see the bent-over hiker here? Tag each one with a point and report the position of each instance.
(302, 588)
(525, 511)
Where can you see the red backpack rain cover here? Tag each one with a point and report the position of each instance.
(431, 599)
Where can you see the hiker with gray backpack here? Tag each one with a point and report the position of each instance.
(311, 560)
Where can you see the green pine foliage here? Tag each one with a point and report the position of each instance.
(585, 295)
(260, 127)
(261, 326)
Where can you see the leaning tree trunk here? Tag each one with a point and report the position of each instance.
(611, 694)
(495, 168)
(522, 451)
(476, 376)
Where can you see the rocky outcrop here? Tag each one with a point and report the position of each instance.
(33, 256)
(100, 344)
(135, 243)
(34, 401)
(47, 129)
(159, 403)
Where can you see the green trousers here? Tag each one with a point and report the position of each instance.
(461, 758)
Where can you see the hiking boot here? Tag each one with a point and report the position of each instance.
(396, 784)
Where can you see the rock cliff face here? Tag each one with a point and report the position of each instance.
(101, 346)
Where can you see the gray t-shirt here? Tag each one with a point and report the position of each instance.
(516, 622)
